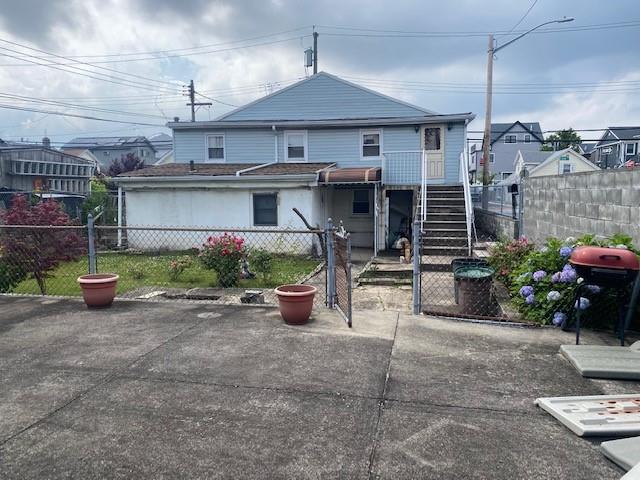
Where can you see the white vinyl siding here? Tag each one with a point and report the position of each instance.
(295, 146)
(215, 148)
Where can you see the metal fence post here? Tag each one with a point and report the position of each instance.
(416, 268)
(92, 244)
(331, 270)
(349, 282)
(521, 208)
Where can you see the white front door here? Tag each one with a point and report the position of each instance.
(432, 142)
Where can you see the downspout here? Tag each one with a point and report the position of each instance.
(275, 143)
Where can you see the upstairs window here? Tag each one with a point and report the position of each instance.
(630, 149)
(265, 209)
(432, 140)
(295, 142)
(215, 148)
(527, 138)
(492, 157)
(567, 168)
(370, 140)
(510, 139)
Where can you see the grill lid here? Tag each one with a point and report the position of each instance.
(612, 258)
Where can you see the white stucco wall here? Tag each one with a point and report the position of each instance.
(219, 208)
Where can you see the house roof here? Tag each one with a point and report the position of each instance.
(556, 155)
(538, 156)
(324, 100)
(499, 129)
(587, 148)
(226, 169)
(619, 133)
(107, 142)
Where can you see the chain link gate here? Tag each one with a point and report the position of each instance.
(339, 280)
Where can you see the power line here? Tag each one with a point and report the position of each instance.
(215, 100)
(53, 112)
(524, 16)
(463, 34)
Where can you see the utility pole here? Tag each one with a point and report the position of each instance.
(315, 51)
(192, 101)
(486, 140)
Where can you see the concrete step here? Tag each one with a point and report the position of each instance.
(444, 241)
(445, 194)
(445, 187)
(385, 281)
(438, 224)
(444, 232)
(448, 251)
(446, 216)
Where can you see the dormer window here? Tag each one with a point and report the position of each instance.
(510, 139)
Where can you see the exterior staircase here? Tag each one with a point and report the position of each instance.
(444, 231)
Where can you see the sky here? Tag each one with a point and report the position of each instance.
(129, 61)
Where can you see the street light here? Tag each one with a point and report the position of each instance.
(486, 141)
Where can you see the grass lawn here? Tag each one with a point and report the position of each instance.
(145, 270)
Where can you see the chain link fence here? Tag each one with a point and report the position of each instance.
(224, 266)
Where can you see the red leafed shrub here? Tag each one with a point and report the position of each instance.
(39, 251)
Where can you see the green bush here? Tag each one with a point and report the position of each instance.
(507, 255)
(10, 275)
(222, 254)
(261, 262)
(177, 266)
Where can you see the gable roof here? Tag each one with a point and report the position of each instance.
(107, 142)
(618, 134)
(500, 129)
(324, 97)
(555, 155)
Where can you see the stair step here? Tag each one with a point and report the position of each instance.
(438, 250)
(444, 242)
(440, 224)
(455, 186)
(444, 232)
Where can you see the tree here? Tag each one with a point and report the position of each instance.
(97, 198)
(38, 251)
(561, 140)
(126, 163)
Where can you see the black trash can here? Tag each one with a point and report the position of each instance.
(458, 263)
(474, 289)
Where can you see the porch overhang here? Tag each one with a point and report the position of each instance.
(350, 175)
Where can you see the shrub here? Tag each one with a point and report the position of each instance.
(543, 286)
(178, 266)
(222, 254)
(10, 274)
(261, 262)
(506, 255)
(39, 251)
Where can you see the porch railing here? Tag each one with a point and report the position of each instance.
(403, 167)
(468, 204)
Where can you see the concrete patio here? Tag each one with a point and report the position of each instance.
(187, 390)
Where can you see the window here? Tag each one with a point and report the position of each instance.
(432, 138)
(566, 168)
(106, 154)
(510, 139)
(360, 202)
(265, 209)
(492, 157)
(630, 149)
(527, 138)
(370, 143)
(295, 142)
(215, 148)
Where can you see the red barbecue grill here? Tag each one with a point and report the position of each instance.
(606, 267)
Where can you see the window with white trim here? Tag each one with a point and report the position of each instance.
(527, 138)
(370, 143)
(215, 148)
(295, 143)
(265, 209)
(630, 149)
(510, 139)
(360, 205)
(567, 168)
(492, 157)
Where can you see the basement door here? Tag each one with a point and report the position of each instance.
(432, 142)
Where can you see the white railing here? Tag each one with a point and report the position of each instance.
(402, 167)
(468, 205)
(423, 186)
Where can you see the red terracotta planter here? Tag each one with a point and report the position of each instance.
(98, 289)
(296, 302)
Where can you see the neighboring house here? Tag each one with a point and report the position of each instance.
(617, 146)
(163, 144)
(107, 149)
(506, 140)
(329, 147)
(84, 153)
(541, 164)
(585, 149)
(38, 169)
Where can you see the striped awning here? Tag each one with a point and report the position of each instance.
(350, 175)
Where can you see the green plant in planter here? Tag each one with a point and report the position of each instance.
(543, 286)
(261, 262)
(222, 254)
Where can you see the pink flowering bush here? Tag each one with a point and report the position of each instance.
(222, 254)
(177, 266)
(507, 255)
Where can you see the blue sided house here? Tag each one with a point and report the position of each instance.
(326, 146)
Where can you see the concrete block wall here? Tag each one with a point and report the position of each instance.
(604, 203)
(495, 225)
